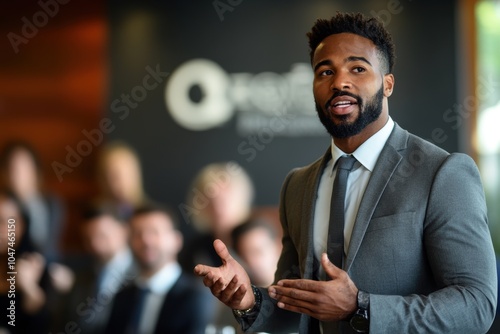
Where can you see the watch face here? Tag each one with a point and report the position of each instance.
(360, 323)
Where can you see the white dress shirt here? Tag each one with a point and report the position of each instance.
(366, 155)
(118, 272)
(159, 285)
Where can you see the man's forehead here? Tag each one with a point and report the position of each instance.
(345, 44)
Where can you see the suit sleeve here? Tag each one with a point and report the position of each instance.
(459, 248)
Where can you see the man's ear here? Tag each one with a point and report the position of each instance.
(388, 84)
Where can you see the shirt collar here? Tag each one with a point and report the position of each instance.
(120, 262)
(367, 154)
(163, 280)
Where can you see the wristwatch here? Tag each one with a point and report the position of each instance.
(360, 321)
(258, 300)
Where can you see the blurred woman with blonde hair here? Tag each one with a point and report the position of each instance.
(120, 179)
(219, 199)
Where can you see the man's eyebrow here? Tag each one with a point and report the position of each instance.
(356, 58)
(321, 63)
(348, 59)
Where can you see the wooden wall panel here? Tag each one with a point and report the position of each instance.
(53, 88)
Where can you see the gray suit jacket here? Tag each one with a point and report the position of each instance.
(420, 246)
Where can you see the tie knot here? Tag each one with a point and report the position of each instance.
(346, 162)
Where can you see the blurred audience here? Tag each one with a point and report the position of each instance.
(120, 179)
(163, 299)
(22, 174)
(219, 199)
(105, 238)
(24, 282)
(256, 243)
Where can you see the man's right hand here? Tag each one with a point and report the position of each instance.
(230, 282)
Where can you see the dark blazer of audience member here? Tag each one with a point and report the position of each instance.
(163, 299)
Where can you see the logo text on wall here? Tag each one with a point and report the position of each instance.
(256, 100)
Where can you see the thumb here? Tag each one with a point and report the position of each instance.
(330, 269)
(222, 251)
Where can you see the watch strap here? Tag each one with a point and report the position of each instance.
(360, 320)
(363, 300)
(255, 308)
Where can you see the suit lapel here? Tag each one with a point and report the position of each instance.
(308, 206)
(387, 163)
(307, 224)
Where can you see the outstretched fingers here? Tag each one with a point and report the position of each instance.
(233, 293)
(202, 270)
(229, 282)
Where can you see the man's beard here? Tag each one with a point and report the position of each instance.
(368, 114)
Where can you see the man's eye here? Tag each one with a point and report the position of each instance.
(326, 72)
(359, 69)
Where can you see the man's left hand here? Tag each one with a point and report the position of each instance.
(331, 300)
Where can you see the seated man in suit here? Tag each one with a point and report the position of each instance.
(109, 268)
(163, 299)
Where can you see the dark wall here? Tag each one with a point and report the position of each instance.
(255, 37)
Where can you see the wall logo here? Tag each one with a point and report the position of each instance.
(255, 99)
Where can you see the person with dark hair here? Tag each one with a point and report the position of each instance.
(163, 298)
(24, 281)
(22, 174)
(109, 268)
(386, 233)
(255, 242)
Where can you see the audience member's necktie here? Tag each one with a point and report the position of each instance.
(335, 243)
(135, 319)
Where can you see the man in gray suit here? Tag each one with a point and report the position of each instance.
(417, 252)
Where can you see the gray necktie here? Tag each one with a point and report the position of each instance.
(335, 244)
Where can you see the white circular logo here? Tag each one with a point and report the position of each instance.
(213, 109)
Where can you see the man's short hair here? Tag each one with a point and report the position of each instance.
(251, 224)
(150, 208)
(95, 211)
(355, 23)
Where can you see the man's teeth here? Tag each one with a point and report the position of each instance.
(342, 103)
